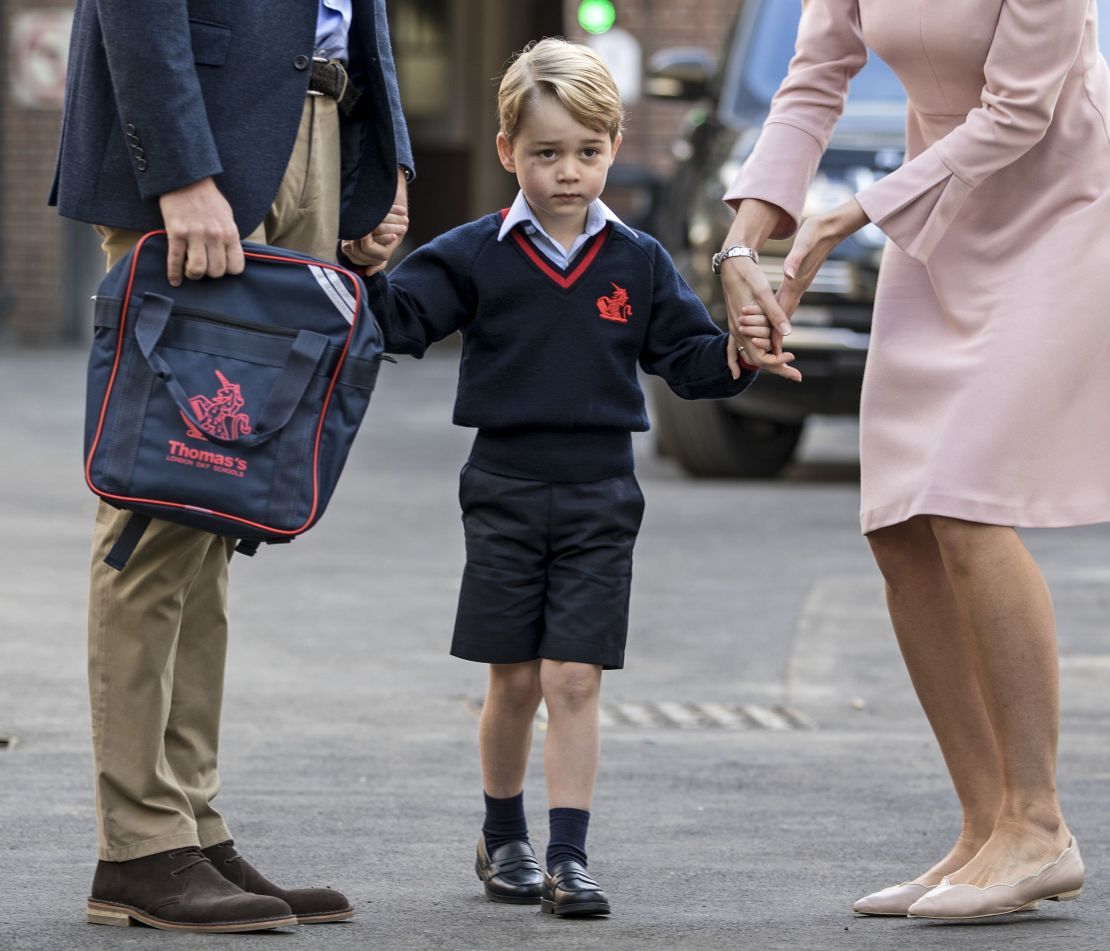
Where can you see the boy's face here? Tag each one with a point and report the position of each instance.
(561, 165)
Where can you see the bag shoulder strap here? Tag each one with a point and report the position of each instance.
(128, 540)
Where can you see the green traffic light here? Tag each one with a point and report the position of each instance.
(596, 16)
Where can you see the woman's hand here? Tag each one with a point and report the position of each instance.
(742, 282)
(815, 240)
(744, 285)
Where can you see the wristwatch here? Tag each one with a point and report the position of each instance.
(736, 251)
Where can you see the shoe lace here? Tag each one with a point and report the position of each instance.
(193, 853)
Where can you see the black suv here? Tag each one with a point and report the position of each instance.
(756, 434)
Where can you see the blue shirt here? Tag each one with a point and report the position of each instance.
(597, 214)
(333, 21)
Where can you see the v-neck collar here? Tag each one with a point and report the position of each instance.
(569, 277)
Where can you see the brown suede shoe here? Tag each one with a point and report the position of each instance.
(310, 905)
(179, 890)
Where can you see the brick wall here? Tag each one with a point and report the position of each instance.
(658, 24)
(30, 232)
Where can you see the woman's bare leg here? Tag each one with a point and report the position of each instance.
(1003, 595)
(940, 656)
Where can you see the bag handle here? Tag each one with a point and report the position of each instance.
(285, 395)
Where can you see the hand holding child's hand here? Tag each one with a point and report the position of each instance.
(374, 250)
(755, 348)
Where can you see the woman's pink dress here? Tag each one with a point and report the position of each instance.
(987, 390)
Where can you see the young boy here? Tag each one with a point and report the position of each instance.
(557, 302)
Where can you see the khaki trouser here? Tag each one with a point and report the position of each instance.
(158, 629)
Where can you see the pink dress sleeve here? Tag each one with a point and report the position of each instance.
(1036, 43)
(804, 112)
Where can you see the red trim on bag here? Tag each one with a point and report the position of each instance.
(357, 287)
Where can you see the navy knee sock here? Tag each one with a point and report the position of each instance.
(568, 836)
(505, 821)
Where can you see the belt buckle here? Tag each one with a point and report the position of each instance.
(317, 59)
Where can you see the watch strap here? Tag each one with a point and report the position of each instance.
(735, 251)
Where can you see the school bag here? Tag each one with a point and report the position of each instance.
(226, 404)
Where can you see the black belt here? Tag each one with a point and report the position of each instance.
(329, 78)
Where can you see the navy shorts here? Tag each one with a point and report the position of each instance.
(548, 568)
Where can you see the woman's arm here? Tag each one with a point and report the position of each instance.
(805, 110)
(770, 189)
(1035, 46)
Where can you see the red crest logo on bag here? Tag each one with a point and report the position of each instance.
(220, 415)
(615, 307)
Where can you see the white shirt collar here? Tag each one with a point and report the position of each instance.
(597, 214)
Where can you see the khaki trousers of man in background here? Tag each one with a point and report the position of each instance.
(158, 629)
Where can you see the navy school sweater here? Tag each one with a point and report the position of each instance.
(549, 356)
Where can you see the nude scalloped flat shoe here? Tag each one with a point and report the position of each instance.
(895, 900)
(1059, 880)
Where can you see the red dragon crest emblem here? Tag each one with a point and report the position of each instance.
(220, 415)
(615, 307)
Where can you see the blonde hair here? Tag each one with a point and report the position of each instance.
(572, 74)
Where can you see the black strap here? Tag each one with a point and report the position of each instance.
(128, 540)
(285, 395)
(249, 547)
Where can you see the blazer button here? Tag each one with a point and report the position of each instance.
(130, 129)
(140, 164)
(301, 62)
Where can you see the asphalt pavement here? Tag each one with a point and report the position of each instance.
(764, 762)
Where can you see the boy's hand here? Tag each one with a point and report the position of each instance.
(755, 346)
(374, 250)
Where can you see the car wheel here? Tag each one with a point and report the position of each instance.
(709, 441)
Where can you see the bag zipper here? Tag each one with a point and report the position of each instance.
(214, 318)
(211, 318)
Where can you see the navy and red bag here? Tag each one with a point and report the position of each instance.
(228, 405)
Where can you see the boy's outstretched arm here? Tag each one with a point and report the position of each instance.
(682, 344)
(426, 298)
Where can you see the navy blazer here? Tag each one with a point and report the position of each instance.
(163, 93)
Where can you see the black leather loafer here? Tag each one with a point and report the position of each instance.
(569, 891)
(510, 873)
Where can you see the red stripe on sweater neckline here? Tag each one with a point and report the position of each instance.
(540, 261)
